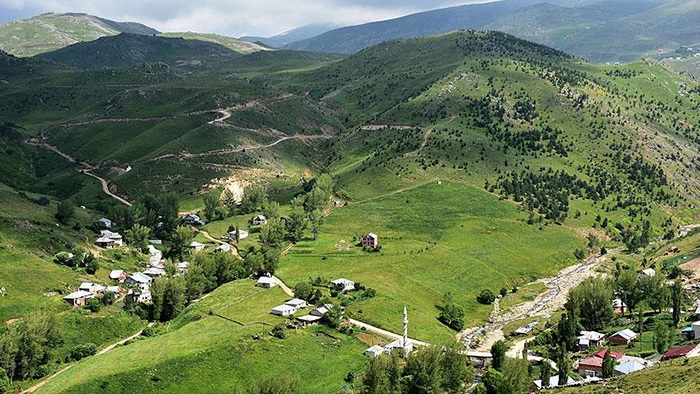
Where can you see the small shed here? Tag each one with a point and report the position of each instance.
(259, 220)
(308, 319)
(371, 240)
(78, 298)
(297, 303)
(197, 246)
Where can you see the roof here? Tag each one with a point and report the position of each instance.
(591, 335)
(613, 353)
(295, 302)
(342, 281)
(103, 240)
(260, 217)
(649, 272)
(195, 244)
(617, 303)
(115, 274)
(371, 235)
(679, 351)
(183, 264)
(626, 333)
(223, 247)
(154, 271)
(77, 294)
(284, 308)
(309, 318)
(110, 234)
(376, 349)
(140, 277)
(629, 367)
(113, 289)
(105, 221)
(267, 279)
(592, 362)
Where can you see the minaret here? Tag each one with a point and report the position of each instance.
(405, 328)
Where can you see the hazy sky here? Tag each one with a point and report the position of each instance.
(229, 17)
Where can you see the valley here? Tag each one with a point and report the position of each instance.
(477, 163)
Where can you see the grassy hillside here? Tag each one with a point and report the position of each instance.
(229, 42)
(48, 32)
(200, 352)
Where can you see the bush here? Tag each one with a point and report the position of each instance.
(82, 351)
(94, 305)
(504, 291)
(278, 332)
(148, 332)
(92, 266)
(486, 297)
(108, 298)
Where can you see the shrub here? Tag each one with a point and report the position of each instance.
(94, 305)
(278, 332)
(148, 332)
(82, 351)
(504, 291)
(486, 297)
(108, 298)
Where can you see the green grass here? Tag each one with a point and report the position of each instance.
(467, 242)
(524, 294)
(200, 353)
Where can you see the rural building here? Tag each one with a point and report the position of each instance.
(553, 382)
(259, 220)
(155, 242)
(649, 272)
(266, 282)
(623, 337)
(78, 298)
(617, 305)
(590, 338)
(591, 366)
(92, 288)
(374, 351)
(370, 241)
(321, 310)
(142, 297)
(182, 266)
(343, 284)
(680, 351)
(308, 320)
(118, 275)
(628, 367)
(197, 246)
(283, 310)
(117, 290)
(138, 279)
(222, 248)
(297, 303)
(109, 240)
(105, 222)
(154, 272)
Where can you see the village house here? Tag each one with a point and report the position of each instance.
(374, 351)
(649, 272)
(197, 246)
(371, 240)
(591, 366)
(623, 337)
(118, 275)
(679, 351)
(283, 310)
(553, 382)
(139, 279)
(78, 298)
(618, 306)
(308, 320)
(109, 240)
(321, 310)
(590, 338)
(613, 354)
(266, 282)
(182, 266)
(142, 296)
(259, 220)
(628, 367)
(343, 284)
(92, 288)
(117, 290)
(154, 272)
(297, 303)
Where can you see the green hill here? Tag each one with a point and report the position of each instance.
(229, 42)
(48, 32)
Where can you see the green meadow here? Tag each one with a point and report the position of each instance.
(201, 352)
(435, 238)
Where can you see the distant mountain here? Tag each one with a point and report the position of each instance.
(48, 32)
(298, 34)
(126, 50)
(234, 44)
(598, 30)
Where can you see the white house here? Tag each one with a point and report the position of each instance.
(649, 272)
(118, 275)
(154, 272)
(590, 338)
(696, 329)
(374, 351)
(297, 303)
(222, 248)
(266, 282)
(138, 279)
(182, 266)
(553, 382)
(283, 310)
(117, 290)
(321, 310)
(197, 246)
(109, 239)
(343, 284)
(259, 220)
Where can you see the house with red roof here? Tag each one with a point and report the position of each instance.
(613, 353)
(680, 351)
(591, 366)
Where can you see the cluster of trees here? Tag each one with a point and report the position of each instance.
(78, 258)
(451, 315)
(506, 375)
(25, 348)
(436, 369)
(530, 141)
